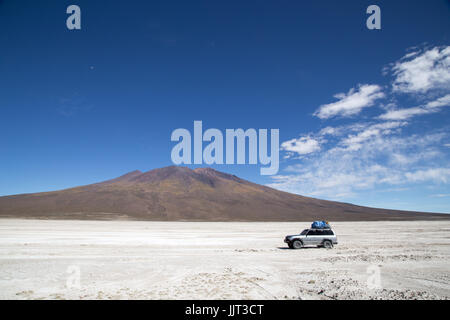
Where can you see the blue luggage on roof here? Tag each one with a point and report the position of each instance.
(320, 225)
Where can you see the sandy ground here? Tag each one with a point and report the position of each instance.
(190, 260)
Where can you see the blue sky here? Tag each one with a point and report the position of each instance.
(363, 114)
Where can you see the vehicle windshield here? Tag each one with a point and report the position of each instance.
(304, 232)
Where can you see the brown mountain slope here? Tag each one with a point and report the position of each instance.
(179, 193)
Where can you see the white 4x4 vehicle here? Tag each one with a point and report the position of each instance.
(312, 237)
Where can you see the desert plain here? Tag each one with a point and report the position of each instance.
(69, 259)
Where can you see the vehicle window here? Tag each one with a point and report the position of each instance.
(304, 232)
(312, 233)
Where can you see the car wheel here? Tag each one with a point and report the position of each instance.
(328, 244)
(297, 244)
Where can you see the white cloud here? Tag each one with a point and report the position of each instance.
(420, 72)
(430, 107)
(382, 157)
(351, 103)
(341, 130)
(403, 114)
(405, 159)
(439, 175)
(441, 102)
(329, 131)
(354, 142)
(301, 146)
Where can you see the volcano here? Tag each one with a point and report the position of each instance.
(181, 194)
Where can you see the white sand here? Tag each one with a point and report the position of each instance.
(189, 260)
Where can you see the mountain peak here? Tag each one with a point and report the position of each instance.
(205, 170)
(162, 174)
(184, 174)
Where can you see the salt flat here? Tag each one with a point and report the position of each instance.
(62, 259)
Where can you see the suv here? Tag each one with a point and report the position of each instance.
(312, 237)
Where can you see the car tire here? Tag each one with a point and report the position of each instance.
(290, 246)
(297, 244)
(327, 244)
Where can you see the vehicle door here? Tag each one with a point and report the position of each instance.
(317, 238)
(309, 240)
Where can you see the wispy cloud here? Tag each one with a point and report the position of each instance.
(384, 158)
(301, 146)
(421, 71)
(351, 103)
(440, 175)
(430, 107)
(355, 141)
